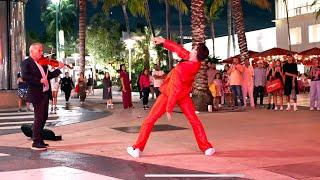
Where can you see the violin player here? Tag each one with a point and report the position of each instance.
(35, 72)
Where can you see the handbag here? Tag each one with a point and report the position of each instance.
(274, 85)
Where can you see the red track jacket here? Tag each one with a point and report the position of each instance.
(178, 82)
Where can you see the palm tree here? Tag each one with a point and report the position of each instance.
(317, 12)
(239, 23)
(82, 33)
(288, 24)
(200, 88)
(182, 11)
(180, 6)
(141, 8)
(67, 13)
(213, 9)
(108, 4)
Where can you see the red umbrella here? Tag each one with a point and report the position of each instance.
(310, 52)
(230, 59)
(274, 52)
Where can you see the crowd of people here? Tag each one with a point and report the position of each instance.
(276, 80)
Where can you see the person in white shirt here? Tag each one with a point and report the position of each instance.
(158, 76)
(247, 83)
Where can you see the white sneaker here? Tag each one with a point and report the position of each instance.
(275, 108)
(311, 108)
(295, 108)
(281, 108)
(288, 108)
(133, 152)
(209, 152)
(318, 109)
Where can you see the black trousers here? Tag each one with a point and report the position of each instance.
(40, 117)
(157, 91)
(258, 92)
(67, 94)
(145, 95)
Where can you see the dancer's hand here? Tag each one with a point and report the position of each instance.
(158, 40)
(124, 90)
(169, 116)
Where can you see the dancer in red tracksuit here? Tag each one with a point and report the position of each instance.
(175, 90)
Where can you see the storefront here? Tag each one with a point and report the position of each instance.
(12, 41)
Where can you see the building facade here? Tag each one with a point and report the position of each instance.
(12, 41)
(303, 25)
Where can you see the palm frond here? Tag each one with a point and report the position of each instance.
(137, 7)
(108, 4)
(263, 4)
(180, 5)
(215, 7)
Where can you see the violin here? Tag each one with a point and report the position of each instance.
(52, 62)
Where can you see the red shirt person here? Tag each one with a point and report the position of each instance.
(145, 82)
(175, 90)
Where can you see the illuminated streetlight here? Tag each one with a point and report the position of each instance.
(129, 45)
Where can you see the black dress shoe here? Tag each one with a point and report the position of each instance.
(45, 144)
(38, 147)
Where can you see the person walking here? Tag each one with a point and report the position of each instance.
(22, 93)
(145, 87)
(107, 90)
(82, 85)
(66, 86)
(90, 85)
(126, 87)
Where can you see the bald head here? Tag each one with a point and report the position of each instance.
(36, 50)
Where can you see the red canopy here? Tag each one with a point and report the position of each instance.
(230, 59)
(310, 52)
(274, 52)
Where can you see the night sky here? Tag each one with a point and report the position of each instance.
(254, 18)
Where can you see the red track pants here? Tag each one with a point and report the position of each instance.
(159, 108)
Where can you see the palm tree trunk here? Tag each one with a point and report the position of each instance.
(200, 93)
(229, 12)
(288, 25)
(239, 22)
(170, 61)
(82, 33)
(233, 34)
(212, 36)
(149, 21)
(126, 17)
(181, 27)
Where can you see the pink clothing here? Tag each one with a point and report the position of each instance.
(157, 81)
(247, 90)
(236, 74)
(144, 81)
(247, 75)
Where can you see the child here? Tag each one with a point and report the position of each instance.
(218, 90)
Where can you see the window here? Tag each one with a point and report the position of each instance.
(314, 33)
(295, 35)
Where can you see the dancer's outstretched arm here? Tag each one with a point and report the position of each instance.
(173, 47)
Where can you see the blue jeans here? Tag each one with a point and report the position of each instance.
(237, 93)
